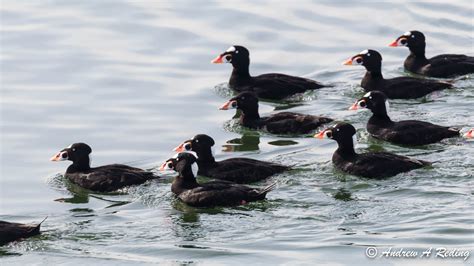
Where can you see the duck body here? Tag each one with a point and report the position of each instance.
(440, 66)
(217, 193)
(375, 165)
(238, 170)
(279, 123)
(409, 132)
(10, 232)
(108, 178)
(272, 86)
(213, 193)
(286, 123)
(402, 87)
(101, 179)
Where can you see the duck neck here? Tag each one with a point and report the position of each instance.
(205, 158)
(380, 118)
(81, 165)
(184, 181)
(374, 74)
(240, 73)
(418, 52)
(345, 147)
(379, 114)
(249, 116)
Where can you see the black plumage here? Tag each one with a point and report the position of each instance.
(279, 123)
(394, 88)
(102, 179)
(213, 193)
(15, 231)
(440, 66)
(408, 132)
(372, 164)
(267, 86)
(238, 170)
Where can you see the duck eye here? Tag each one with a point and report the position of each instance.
(73, 149)
(359, 60)
(243, 97)
(329, 134)
(237, 51)
(187, 146)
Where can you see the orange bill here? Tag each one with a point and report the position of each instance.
(469, 134)
(227, 105)
(56, 157)
(394, 43)
(355, 106)
(217, 60)
(348, 62)
(163, 166)
(320, 135)
(179, 148)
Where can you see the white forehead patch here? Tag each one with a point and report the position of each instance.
(367, 94)
(364, 52)
(231, 49)
(408, 33)
(70, 146)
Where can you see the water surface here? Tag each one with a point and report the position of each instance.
(133, 79)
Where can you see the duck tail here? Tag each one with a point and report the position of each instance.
(268, 188)
(36, 229)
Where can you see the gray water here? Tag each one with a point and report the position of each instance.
(133, 79)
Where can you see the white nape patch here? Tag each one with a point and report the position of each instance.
(90, 160)
(387, 106)
(364, 52)
(354, 139)
(195, 169)
(231, 49)
(213, 152)
(408, 33)
(367, 94)
(192, 153)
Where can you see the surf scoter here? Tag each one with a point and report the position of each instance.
(10, 232)
(267, 86)
(210, 194)
(440, 66)
(372, 164)
(408, 132)
(279, 123)
(394, 88)
(102, 179)
(238, 170)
